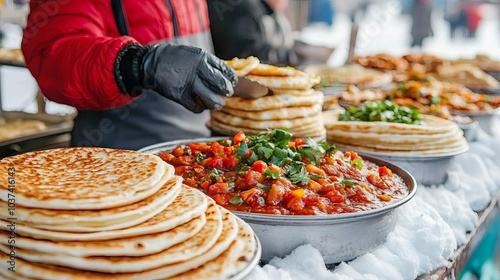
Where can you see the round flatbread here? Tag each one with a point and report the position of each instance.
(353, 74)
(189, 204)
(274, 102)
(432, 125)
(459, 146)
(38, 270)
(243, 66)
(102, 220)
(255, 124)
(100, 178)
(275, 71)
(190, 248)
(131, 246)
(299, 81)
(229, 130)
(241, 254)
(298, 92)
(276, 114)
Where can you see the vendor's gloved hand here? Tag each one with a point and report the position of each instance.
(187, 75)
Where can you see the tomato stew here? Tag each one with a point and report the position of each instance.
(267, 173)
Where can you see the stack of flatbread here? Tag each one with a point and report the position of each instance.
(291, 103)
(435, 136)
(95, 213)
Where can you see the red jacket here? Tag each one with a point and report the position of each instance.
(70, 45)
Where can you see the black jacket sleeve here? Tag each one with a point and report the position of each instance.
(237, 31)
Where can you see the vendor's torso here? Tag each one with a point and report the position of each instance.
(151, 118)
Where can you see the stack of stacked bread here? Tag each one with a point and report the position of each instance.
(291, 102)
(433, 137)
(95, 213)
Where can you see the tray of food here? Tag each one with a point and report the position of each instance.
(295, 192)
(100, 221)
(424, 145)
(17, 127)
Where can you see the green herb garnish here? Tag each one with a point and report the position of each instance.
(264, 187)
(350, 182)
(236, 200)
(297, 173)
(358, 163)
(383, 111)
(271, 174)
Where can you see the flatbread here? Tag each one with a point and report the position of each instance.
(38, 270)
(243, 66)
(225, 129)
(432, 125)
(192, 247)
(275, 71)
(18, 128)
(100, 178)
(460, 146)
(235, 259)
(255, 124)
(274, 102)
(131, 246)
(299, 81)
(103, 220)
(299, 92)
(276, 114)
(189, 204)
(353, 74)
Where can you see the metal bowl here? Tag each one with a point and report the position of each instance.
(470, 129)
(427, 169)
(485, 119)
(338, 237)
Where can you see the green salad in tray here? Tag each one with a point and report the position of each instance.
(383, 111)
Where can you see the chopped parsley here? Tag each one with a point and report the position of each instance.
(264, 187)
(236, 200)
(383, 111)
(271, 174)
(350, 182)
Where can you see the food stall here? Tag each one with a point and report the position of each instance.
(384, 168)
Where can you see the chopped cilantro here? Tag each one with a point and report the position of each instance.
(358, 163)
(384, 111)
(200, 157)
(264, 187)
(271, 174)
(316, 176)
(297, 173)
(241, 150)
(236, 200)
(214, 174)
(189, 152)
(350, 182)
(232, 185)
(191, 173)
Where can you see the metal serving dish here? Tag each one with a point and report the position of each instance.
(339, 237)
(485, 119)
(430, 169)
(470, 129)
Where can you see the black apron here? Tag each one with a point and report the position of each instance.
(150, 119)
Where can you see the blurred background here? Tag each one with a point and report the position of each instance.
(455, 28)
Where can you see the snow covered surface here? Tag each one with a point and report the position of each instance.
(429, 228)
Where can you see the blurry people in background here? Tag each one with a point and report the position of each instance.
(258, 28)
(421, 22)
(457, 17)
(320, 11)
(473, 17)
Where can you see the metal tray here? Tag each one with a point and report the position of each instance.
(55, 125)
(338, 237)
(485, 119)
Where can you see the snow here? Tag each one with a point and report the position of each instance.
(429, 228)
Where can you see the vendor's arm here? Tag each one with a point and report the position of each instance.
(67, 51)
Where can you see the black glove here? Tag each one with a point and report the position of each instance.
(187, 75)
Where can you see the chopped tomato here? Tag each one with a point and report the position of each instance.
(313, 169)
(299, 142)
(275, 195)
(239, 137)
(215, 162)
(259, 166)
(253, 177)
(222, 199)
(166, 156)
(351, 155)
(229, 150)
(335, 197)
(275, 168)
(205, 184)
(198, 147)
(230, 162)
(384, 171)
(217, 148)
(178, 152)
(218, 188)
(313, 185)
